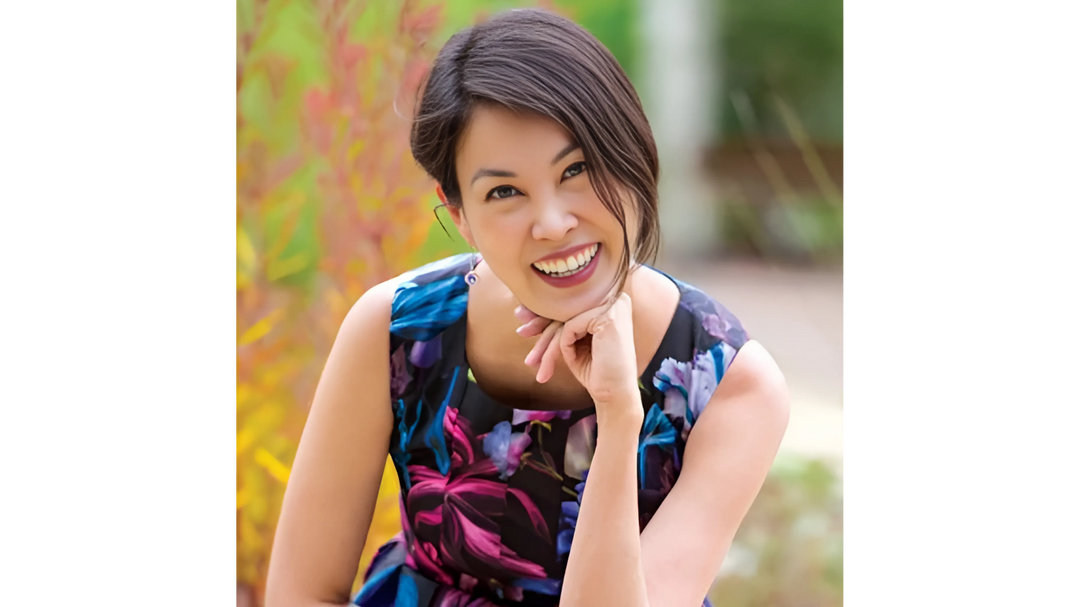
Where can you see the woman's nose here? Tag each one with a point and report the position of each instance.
(553, 220)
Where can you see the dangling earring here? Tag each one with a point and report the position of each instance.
(472, 277)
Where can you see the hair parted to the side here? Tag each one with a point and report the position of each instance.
(535, 61)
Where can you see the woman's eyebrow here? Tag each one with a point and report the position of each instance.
(491, 173)
(570, 148)
(501, 173)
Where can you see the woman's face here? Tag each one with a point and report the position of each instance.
(531, 212)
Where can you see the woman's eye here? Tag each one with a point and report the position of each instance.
(574, 170)
(503, 191)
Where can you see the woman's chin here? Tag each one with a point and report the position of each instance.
(564, 311)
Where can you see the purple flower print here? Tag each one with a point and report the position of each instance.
(505, 448)
(687, 386)
(715, 318)
(525, 415)
(425, 353)
(399, 373)
(580, 447)
(720, 327)
(568, 520)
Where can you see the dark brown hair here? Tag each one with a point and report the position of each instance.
(535, 61)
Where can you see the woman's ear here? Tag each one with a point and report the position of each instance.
(458, 217)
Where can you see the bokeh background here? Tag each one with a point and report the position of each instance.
(746, 101)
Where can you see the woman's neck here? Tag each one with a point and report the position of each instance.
(497, 353)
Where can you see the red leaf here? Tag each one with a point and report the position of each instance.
(352, 53)
(423, 23)
(318, 104)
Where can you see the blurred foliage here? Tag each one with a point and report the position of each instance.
(790, 48)
(796, 221)
(789, 551)
(809, 230)
(329, 203)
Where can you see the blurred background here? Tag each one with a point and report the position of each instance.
(746, 101)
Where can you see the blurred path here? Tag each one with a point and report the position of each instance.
(797, 314)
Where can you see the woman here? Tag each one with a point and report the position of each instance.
(569, 426)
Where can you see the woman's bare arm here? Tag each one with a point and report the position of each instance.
(728, 455)
(335, 477)
(675, 559)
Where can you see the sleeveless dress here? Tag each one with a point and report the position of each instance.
(489, 493)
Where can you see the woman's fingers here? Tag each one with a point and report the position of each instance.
(524, 314)
(551, 354)
(541, 345)
(581, 325)
(534, 327)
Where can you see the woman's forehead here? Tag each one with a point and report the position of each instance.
(499, 136)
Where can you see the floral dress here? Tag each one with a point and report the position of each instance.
(489, 493)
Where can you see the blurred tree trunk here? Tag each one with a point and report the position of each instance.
(680, 72)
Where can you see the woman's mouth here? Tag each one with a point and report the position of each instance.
(570, 270)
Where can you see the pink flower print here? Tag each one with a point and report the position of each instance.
(460, 510)
(452, 597)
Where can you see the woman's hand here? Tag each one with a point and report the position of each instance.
(597, 345)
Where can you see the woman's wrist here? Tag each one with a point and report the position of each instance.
(620, 408)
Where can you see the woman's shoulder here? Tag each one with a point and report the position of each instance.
(428, 299)
(702, 340)
(716, 319)
(455, 265)
(415, 305)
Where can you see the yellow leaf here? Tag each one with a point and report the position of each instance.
(244, 439)
(245, 250)
(250, 535)
(263, 326)
(280, 268)
(292, 203)
(267, 417)
(276, 469)
(243, 395)
(339, 306)
(255, 481)
(242, 498)
(356, 149)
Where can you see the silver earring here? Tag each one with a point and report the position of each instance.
(471, 277)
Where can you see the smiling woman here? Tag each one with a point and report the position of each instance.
(535, 65)
(491, 394)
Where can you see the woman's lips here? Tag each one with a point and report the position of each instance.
(574, 279)
(563, 254)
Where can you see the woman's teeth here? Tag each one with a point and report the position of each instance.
(568, 266)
